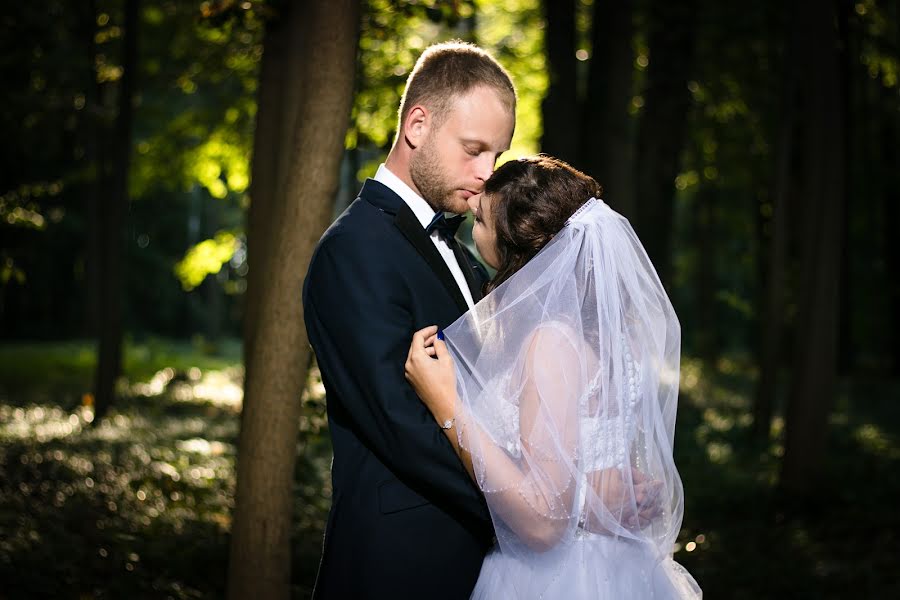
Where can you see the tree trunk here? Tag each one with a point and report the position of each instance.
(266, 149)
(846, 346)
(662, 127)
(814, 366)
(560, 105)
(607, 145)
(890, 194)
(772, 318)
(94, 137)
(706, 272)
(109, 353)
(318, 43)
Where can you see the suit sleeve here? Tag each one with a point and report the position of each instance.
(360, 325)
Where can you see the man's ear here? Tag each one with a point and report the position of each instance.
(416, 126)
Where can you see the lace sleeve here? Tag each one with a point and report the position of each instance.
(525, 454)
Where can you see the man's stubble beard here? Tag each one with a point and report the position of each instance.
(428, 177)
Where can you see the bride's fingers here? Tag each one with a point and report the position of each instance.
(421, 335)
(428, 331)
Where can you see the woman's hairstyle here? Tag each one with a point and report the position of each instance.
(448, 70)
(533, 199)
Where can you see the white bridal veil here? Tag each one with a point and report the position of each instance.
(567, 376)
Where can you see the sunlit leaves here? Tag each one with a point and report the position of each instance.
(205, 258)
(220, 165)
(514, 33)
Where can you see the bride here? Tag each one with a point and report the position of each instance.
(558, 391)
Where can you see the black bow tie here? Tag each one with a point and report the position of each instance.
(446, 228)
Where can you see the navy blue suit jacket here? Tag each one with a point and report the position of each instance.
(406, 521)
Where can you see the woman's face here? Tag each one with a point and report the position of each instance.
(483, 232)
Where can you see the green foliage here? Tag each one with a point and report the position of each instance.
(206, 258)
(514, 32)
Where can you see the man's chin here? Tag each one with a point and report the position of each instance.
(457, 202)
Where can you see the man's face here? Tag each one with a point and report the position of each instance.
(456, 159)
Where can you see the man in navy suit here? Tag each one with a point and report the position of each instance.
(406, 521)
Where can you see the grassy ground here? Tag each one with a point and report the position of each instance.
(139, 506)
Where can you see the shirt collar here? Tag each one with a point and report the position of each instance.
(423, 211)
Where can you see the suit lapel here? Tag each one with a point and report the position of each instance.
(410, 227)
(473, 279)
(384, 199)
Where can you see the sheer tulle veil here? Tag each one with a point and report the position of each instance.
(567, 377)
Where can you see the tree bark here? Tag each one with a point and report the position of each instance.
(319, 43)
(264, 169)
(814, 366)
(846, 346)
(560, 105)
(772, 321)
(662, 127)
(607, 146)
(890, 194)
(705, 228)
(112, 255)
(94, 137)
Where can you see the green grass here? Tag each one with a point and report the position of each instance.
(139, 506)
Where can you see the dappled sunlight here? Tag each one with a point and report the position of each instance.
(873, 439)
(220, 388)
(41, 423)
(704, 386)
(154, 478)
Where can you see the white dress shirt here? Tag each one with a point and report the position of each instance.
(424, 213)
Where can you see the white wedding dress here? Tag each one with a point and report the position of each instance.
(596, 565)
(567, 377)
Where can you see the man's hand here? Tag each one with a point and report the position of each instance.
(632, 504)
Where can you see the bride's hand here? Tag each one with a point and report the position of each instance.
(634, 502)
(429, 369)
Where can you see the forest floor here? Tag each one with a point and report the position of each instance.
(138, 505)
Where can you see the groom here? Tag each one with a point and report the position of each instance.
(406, 521)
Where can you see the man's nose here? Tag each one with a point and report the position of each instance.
(484, 167)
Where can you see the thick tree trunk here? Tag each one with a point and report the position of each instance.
(560, 106)
(662, 127)
(607, 143)
(111, 279)
(814, 366)
(317, 70)
(266, 150)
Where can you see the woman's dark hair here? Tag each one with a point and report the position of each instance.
(533, 198)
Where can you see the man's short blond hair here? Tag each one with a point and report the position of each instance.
(448, 70)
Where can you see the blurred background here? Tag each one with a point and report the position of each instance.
(753, 146)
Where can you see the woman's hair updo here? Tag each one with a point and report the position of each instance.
(533, 199)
